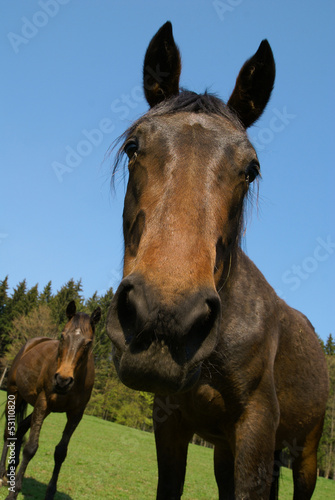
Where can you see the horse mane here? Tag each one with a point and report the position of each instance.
(190, 101)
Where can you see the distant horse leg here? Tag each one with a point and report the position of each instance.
(36, 420)
(3, 479)
(224, 472)
(61, 451)
(23, 428)
(274, 492)
(172, 439)
(305, 465)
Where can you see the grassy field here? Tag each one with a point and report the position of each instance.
(109, 461)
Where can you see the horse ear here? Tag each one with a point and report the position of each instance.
(71, 309)
(95, 316)
(254, 85)
(162, 67)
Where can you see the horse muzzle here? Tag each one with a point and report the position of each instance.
(159, 346)
(62, 385)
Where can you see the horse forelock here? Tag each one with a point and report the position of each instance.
(81, 323)
(185, 101)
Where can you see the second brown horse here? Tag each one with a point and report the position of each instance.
(52, 376)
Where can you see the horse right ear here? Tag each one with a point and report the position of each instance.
(71, 309)
(162, 67)
(96, 316)
(254, 85)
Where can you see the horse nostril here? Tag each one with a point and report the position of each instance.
(62, 382)
(132, 310)
(201, 323)
(203, 313)
(214, 310)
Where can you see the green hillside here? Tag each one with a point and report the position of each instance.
(110, 461)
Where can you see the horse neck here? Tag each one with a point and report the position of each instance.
(86, 370)
(245, 283)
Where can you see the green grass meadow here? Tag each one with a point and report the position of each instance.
(110, 461)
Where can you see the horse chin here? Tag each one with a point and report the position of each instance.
(62, 391)
(154, 373)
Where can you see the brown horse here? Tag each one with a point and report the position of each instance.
(52, 376)
(193, 320)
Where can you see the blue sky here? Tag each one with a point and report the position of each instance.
(71, 84)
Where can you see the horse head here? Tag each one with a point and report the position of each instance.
(190, 167)
(75, 346)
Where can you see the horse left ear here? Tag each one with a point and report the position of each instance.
(162, 67)
(71, 309)
(254, 85)
(95, 316)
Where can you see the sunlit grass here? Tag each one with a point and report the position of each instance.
(110, 461)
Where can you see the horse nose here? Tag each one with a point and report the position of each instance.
(182, 326)
(62, 383)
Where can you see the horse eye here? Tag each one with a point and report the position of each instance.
(130, 148)
(252, 172)
(87, 344)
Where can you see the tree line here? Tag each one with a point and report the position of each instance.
(28, 313)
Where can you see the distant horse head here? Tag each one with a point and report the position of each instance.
(74, 346)
(190, 167)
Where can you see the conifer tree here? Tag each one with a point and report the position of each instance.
(4, 316)
(17, 302)
(330, 346)
(46, 296)
(70, 291)
(31, 299)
